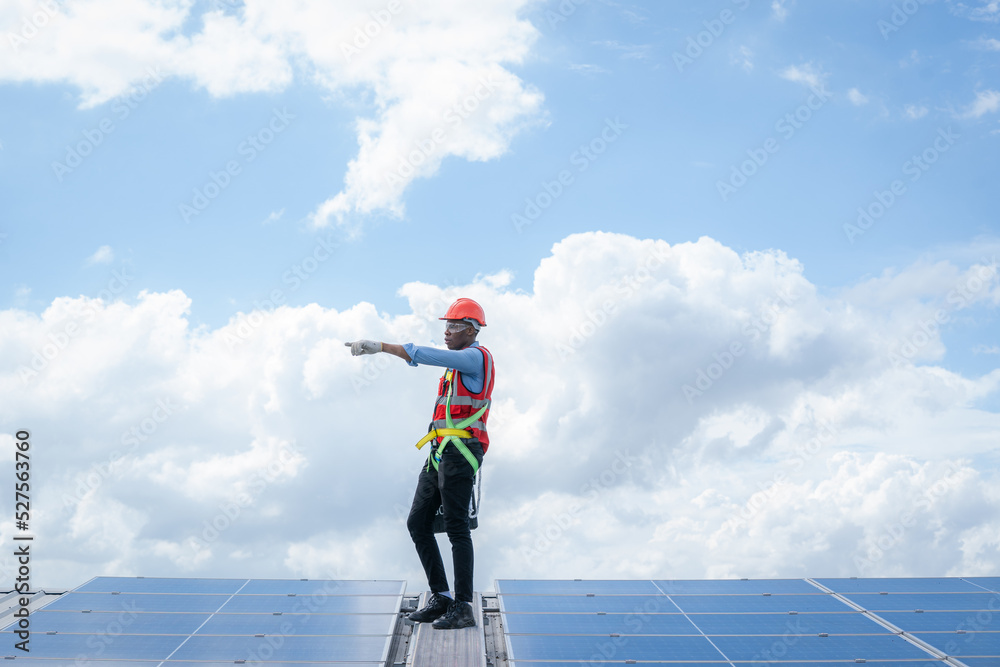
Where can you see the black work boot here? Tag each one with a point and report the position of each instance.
(459, 616)
(435, 608)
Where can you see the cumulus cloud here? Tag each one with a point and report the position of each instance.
(660, 410)
(914, 111)
(987, 101)
(438, 75)
(856, 97)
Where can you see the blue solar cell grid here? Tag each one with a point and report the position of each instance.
(126, 621)
(901, 585)
(786, 623)
(977, 644)
(926, 601)
(161, 585)
(944, 621)
(139, 622)
(979, 662)
(989, 583)
(735, 586)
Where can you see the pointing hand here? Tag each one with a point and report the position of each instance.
(360, 347)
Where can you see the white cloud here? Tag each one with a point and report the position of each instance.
(103, 255)
(811, 426)
(274, 216)
(805, 74)
(987, 44)
(914, 59)
(856, 97)
(780, 8)
(986, 10)
(587, 68)
(987, 101)
(914, 111)
(628, 51)
(744, 59)
(438, 73)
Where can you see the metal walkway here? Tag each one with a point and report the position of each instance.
(420, 645)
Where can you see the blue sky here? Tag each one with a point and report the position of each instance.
(685, 132)
(236, 152)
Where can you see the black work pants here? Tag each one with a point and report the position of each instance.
(451, 486)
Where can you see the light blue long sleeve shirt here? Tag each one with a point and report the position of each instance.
(467, 361)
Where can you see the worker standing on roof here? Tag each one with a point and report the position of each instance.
(459, 441)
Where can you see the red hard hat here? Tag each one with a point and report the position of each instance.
(465, 309)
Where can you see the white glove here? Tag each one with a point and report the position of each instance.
(360, 347)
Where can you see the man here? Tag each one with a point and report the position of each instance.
(459, 441)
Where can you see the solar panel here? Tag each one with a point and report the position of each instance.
(937, 601)
(600, 624)
(619, 649)
(138, 602)
(978, 644)
(161, 585)
(900, 585)
(989, 583)
(592, 603)
(757, 603)
(577, 587)
(282, 648)
(734, 586)
(298, 624)
(138, 622)
(941, 621)
(835, 647)
(319, 588)
(100, 646)
(786, 623)
(334, 604)
(116, 623)
(853, 623)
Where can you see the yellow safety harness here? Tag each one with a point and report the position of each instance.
(453, 433)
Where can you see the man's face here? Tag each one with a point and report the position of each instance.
(458, 335)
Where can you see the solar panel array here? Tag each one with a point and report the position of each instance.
(780, 622)
(141, 622)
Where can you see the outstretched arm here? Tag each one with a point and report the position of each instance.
(360, 347)
(396, 350)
